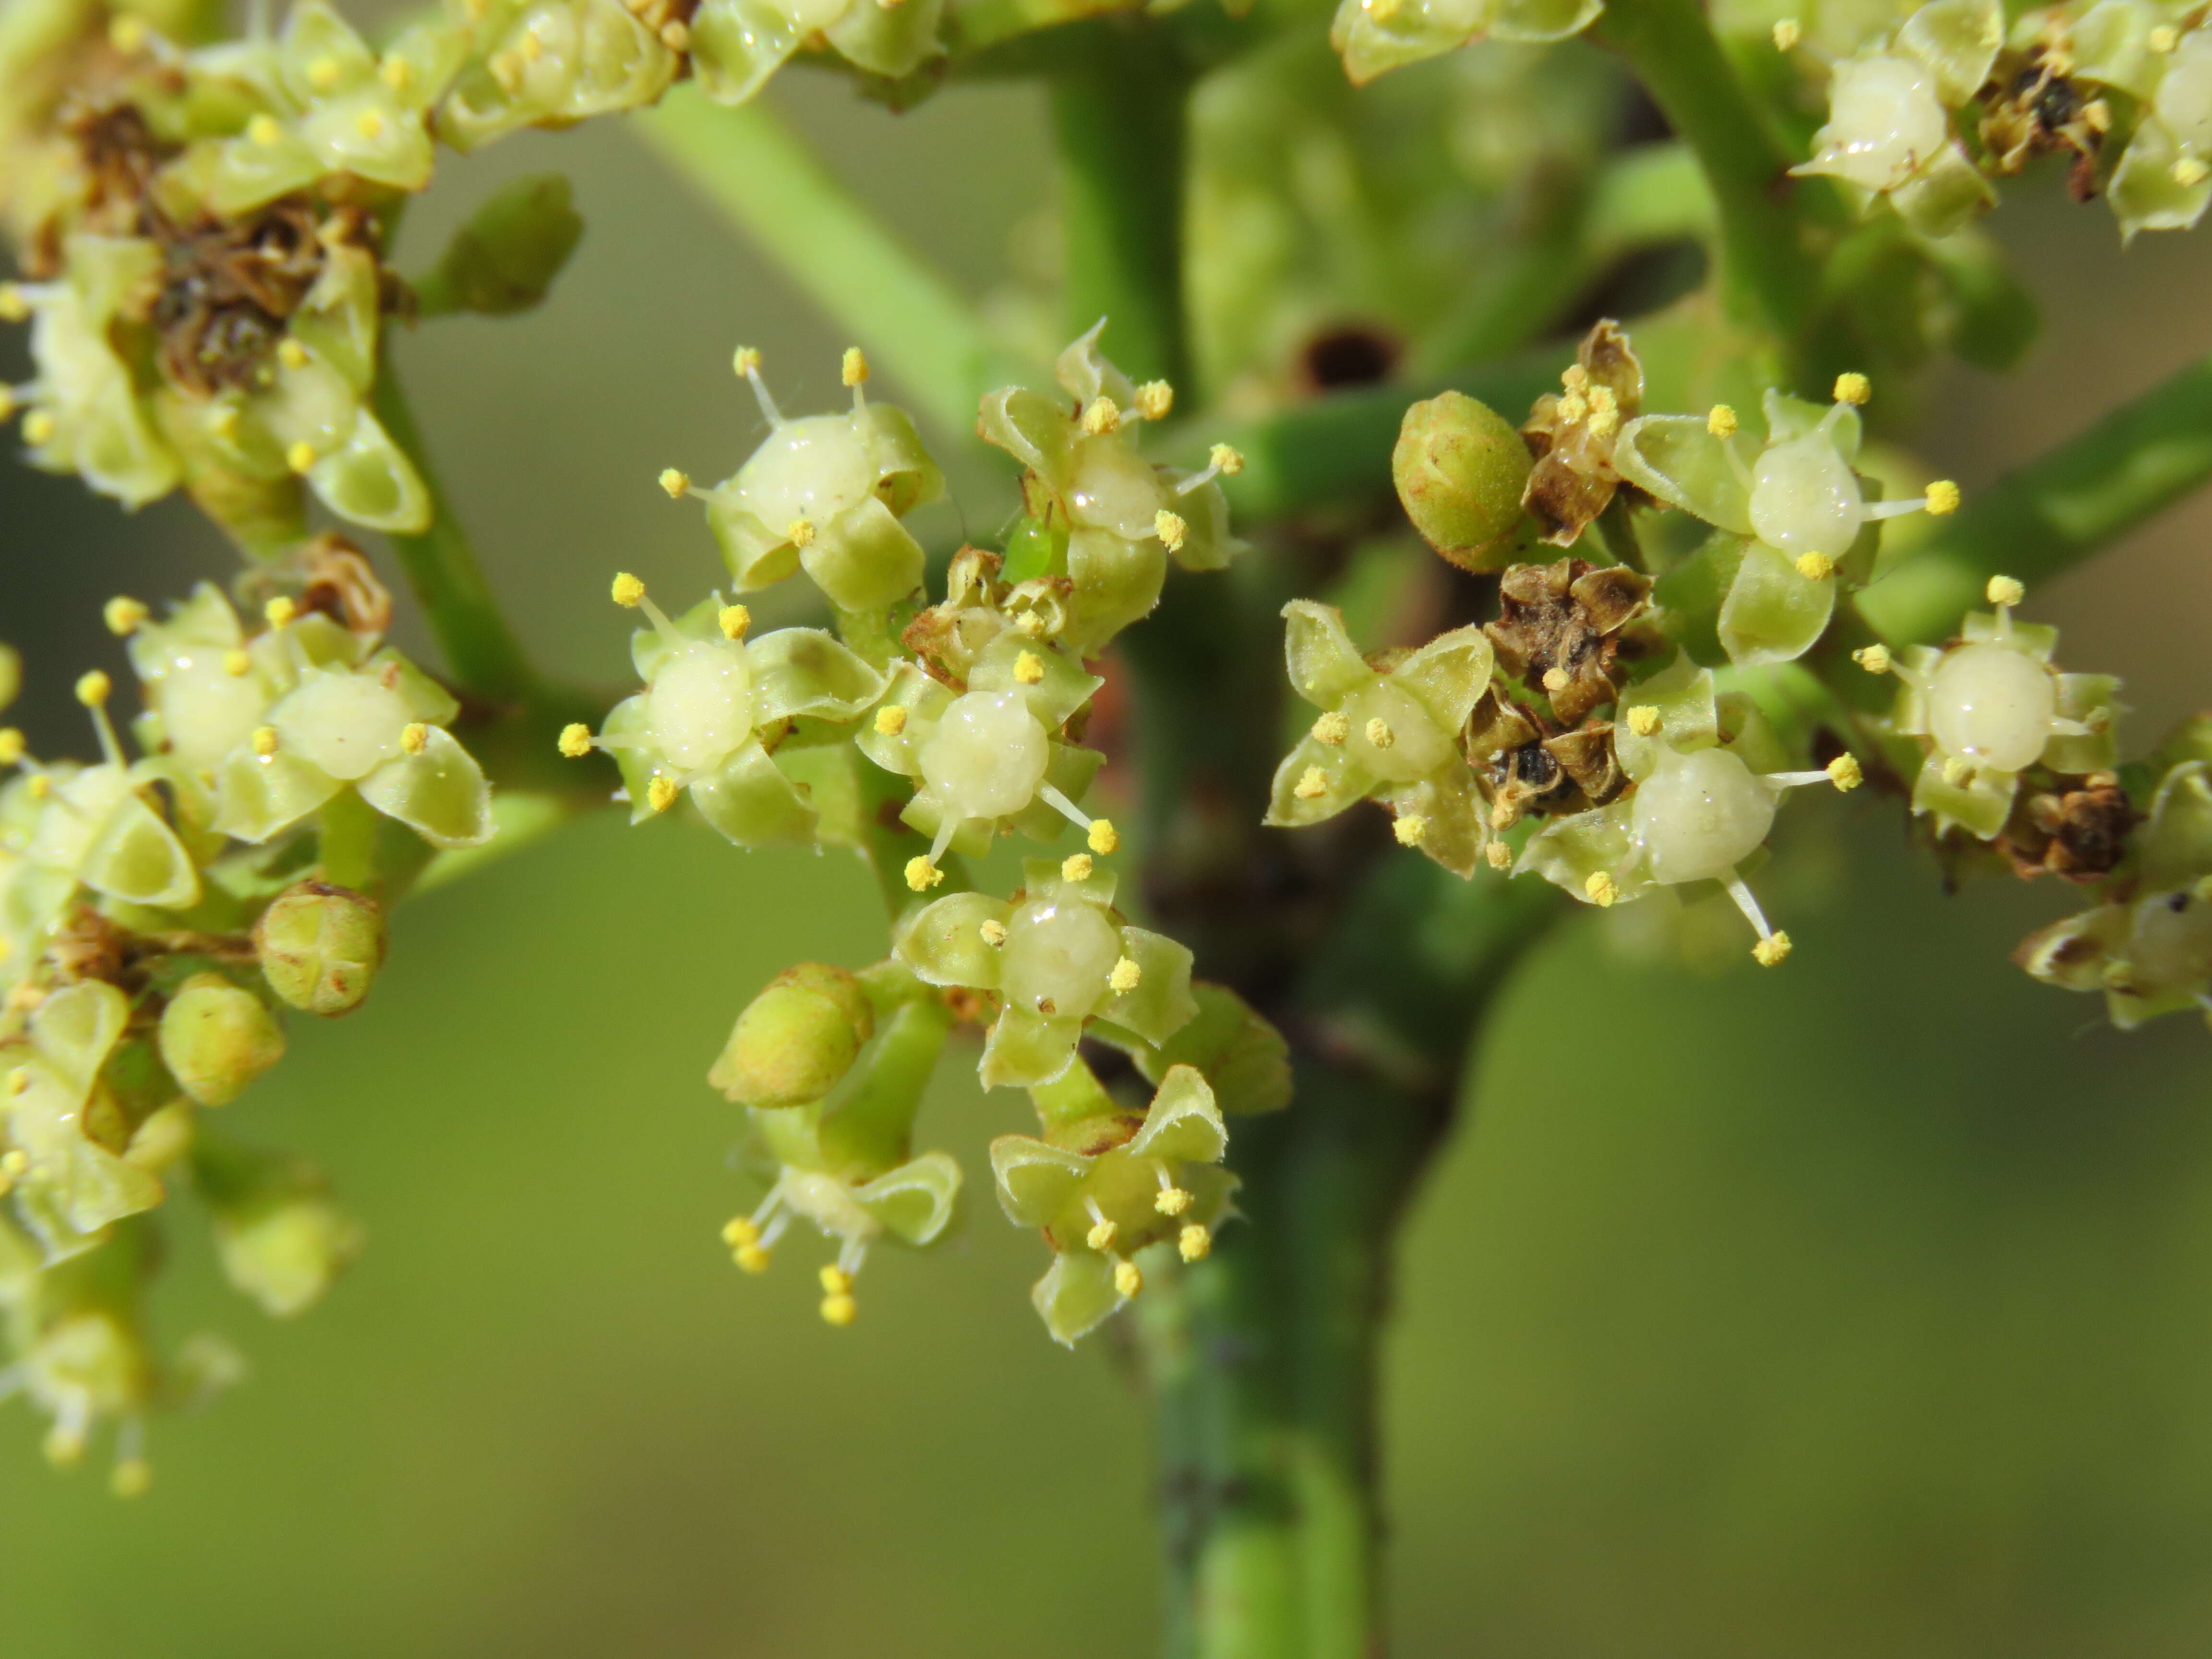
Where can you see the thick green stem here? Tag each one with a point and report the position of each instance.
(482, 651)
(833, 248)
(2067, 504)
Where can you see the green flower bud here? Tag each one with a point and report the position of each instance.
(505, 258)
(217, 1038)
(796, 1039)
(285, 1251)
(1461, 468)
(320, 947)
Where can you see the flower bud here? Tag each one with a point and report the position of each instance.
(217, 1038)
(796, 1039)
(321, 946)
(285, 1250)
(1460, 469)
(505, 258)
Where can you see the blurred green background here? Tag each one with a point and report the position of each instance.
(1862, 1308)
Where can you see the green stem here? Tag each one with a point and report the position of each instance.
(831, 247)
(482, 651)
(2067, 504)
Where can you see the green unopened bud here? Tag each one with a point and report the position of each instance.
(505, 258)
(1461, 468)
(796, 1039)
(321, 946)
(217, 1038)
(285, 1250)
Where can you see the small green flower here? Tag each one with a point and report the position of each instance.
(1388, 732)
(1375, 36)
(550, 62)
(1113, 1193)
(737, 45)
(281, 1239)
(1055, 956)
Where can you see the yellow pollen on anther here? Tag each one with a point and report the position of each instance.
(1154, 400)
(414, 737)
(1815, 566)
(1956, 771)
(660, 794)
(1787, 35)
(1721, 420)
(1853, 388)
(19, 1081)
(1171, 529)
(1409, 828)
(1942, 497)
(575, 740)
(853, 369)
(839, 1310)
(1379, 734)
(1771, 951)
(625, 590)
(1502, 815)
(1574, 407)
(1332, 728)
(1101, 416)
(132, 1478)
(836, 1281)
(674, 482)
(1231, 461)
(1312, 784)
(396, 73)
(921, 874)
(533, 46)
(93, 688)
(733, 620)
(323, 74)
(1556, 680)
(751, 1257)
(39, 427)
(265, 129)
(1029, 668)
(300, 457)
(1194, 1244)
(15, 307)
(126, 34)
(291, 354)
(1076, 866)
(1127, 1280)
(1497, 855)
(2164, 39)
(891, 720)
(1874, 659)
(1172, 1200)
(739, 1229)
(676, 35)
(1126, 977)
(122, 616)
(1844, 772)
(40, 786)
(11, 745)
(800, 533)
(1643, 720)
(2191, 170)
(280, 611)
(1103, 838)
(1601, 887)
(1102, 1236)
(371, 125)
(264, 741)
(994, 932)
(2004, 590)
(746, 360)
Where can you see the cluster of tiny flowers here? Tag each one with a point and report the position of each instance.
(157, 916)
(1926, 113)
(971, 708)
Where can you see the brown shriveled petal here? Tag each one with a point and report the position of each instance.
(2040, 112)
(1574, 480)
(1586, 755)
(229, 286)
(1566, 615)
(343, 586)
(2078, 834)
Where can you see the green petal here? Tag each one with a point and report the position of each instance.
(369, 481)
(1115, 581)
(1162, 1004)
(943, 942)
(2093, 700)
(398, 155)
(440, 793)
(925, 700)
(757, 555)
(1980, 803)
(1449, 675)
(1343, 783)
(1075, 1296)
(1566, 852)
(1946, 196)
(2175, 848)
(136, 857)
(1773, 612)
(316, 39)
(1207, 544)
(1789, 417)
(2111, 43)
(1032, 428)
(2145, 193)
(1957, 41)
(906, 476)
(257, 795)
(1035, 1182)
(77, 1028)
(1063, 689)
(1677, 458)
(864, 559)
(1242, 1057)
(1184, 1124)
(242, 174)
(914, 1201)
(337, 320)
(751, 801)
(1455, 816)
(736, 46)
(1026, 1049)
(1542, 21)
(804, 670)
(1069, 769)
(1325, 666)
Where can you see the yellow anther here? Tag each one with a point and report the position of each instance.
(14, 1164)
(1171, 529)
(323, 74)
(751, 1257)
(1497, 855)
(7, 403)
(2097, 116)
(800, 533)
(1643, 720)
(676, 35)
(1502, 815)
(733, 620)
(39, 427)
(1172, 1200)
(1128, 1281)
(1556, 680)
(2004, 590)
(2192, 171)
(1332, 728)
(300, 457)
(839, 1310)
(1312, 784)
(674, 482)
(1574, 377)
(533, 46)
(891, 720)
(746, 360)
(1194, 1243)
(19, 1082)
(1101, 416)
(1771, 951)
(1230, 460)
(1574, 407)
(370, 126)
(1103, 838)
(1601, 887)
(1844, 772)
(126, 34)
(1815, 566)
(1379, 734)
(264, 741)
(507, 69)
(1101, 1236)
(660, 794)
(739, 1229)
(132, 1478)
(1029, 668)
(94, 689)
(1853, 388)
(1409, 828)
(1787, 35)
(396, 73)
(224, 421)
(575, 740)
(1942, 497)
(625, 590)
(15, 307)
(40, 786)
(1605, 412)
(64, 1447)
(994, 932)
(1076, 866)
(1154, 400)
(265, 129)
(1874, 659)
(1126, 977)
(280, 611)
(854, 369)
(122, 616)
(836, 1281)
(292, 354)
(11, 745)
(1721, 420)
(921, 874)
(2165, 38)
(1956, 771)
(414, 737)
